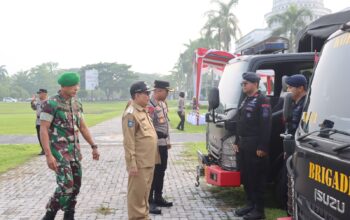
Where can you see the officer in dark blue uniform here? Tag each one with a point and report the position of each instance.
(297, 86)
(251, 145)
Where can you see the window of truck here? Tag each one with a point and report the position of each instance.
(230, 85)
(328, 104)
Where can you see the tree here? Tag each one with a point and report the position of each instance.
(182, 73)
(221, 26)
(289, 23)
(3, 72)
(113, 78)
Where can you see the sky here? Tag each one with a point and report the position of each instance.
(149, 35)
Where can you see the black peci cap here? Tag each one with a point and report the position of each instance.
(138, 87)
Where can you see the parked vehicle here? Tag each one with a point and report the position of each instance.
(320, 166)
(9, 99)
(220, 161)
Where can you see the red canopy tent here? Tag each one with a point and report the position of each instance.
(205, 58)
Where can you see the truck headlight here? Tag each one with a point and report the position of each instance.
(228, 159)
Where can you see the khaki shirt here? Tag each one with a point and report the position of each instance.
(140, 138)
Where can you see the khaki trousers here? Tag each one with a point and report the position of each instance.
(138, 192)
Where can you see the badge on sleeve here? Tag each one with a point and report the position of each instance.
(131, 123)
(266, 112)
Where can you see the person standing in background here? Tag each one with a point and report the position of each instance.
(36, 105)
(181, 111)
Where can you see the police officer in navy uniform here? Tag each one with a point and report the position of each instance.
(252, 145)
(297, 86)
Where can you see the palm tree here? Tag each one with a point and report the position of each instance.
(290, 23)
(221, 26)
(3, 72)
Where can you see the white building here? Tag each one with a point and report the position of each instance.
(280, 6)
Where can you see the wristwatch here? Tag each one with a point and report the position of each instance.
(94, 146)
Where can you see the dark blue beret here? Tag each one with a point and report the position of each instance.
(251, 77)
(296, 80)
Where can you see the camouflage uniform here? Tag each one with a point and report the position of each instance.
(65, 117)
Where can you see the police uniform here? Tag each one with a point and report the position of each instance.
(253, 133)
(158, 111)
(140, 144)
(37, 106)
(296, 80)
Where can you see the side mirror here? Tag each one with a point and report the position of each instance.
(214, 99)
(287, 107)
(207, 117)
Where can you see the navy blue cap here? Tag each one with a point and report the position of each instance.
(162, 85)
(296, 80)
(138, 87)
(41, 91)
(251, 77)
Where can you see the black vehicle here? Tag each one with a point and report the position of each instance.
(320, 166)
(220, 163)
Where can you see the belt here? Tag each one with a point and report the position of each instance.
(247, 137)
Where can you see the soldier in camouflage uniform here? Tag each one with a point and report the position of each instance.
(61, 120)
(158, 111)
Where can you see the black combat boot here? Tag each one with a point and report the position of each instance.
(255, 214)
(153, 209)
(69, 215)
(244, 210)
(50, 215)
(161, 202)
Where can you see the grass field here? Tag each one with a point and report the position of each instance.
(19, 118)
(13, 155)
(174, 118)
(233, 196)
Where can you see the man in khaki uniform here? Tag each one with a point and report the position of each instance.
(140, 144)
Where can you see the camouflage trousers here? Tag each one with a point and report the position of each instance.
(68, 180)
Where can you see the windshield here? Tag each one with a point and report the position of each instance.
(230, 85)
(328, 105)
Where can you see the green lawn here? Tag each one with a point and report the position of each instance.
(13, 155)
(174, 118)
(233, 196)
(19, 118)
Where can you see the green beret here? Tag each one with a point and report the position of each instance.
(69, 79)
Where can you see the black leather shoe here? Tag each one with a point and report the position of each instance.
(254, 215)
(243, 211)
(153, 209)
(69, 215)
(50, 215)
(161, 202)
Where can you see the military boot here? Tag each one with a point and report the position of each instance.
(244, 210)
(153, 209)
(50, 215)
(69, 215)
(255, 214)
(161, 202)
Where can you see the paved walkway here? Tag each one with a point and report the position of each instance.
(24, 191)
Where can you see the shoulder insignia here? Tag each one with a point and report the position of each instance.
(129, 110)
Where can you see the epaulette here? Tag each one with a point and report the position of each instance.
(129, 110)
